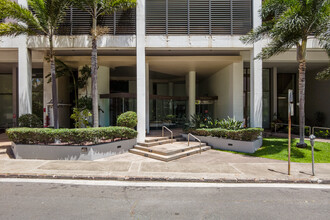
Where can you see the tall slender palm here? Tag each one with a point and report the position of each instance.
(288, 24)
(42, 17)
(98, 8)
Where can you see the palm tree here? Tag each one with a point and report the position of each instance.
(288, 24)
(97, 8)
(42, 17)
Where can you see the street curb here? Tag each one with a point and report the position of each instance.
(163, 179)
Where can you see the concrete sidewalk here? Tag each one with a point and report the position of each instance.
(210, 166)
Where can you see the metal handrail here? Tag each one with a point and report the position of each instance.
(293, 125)
(169, 131)
(200, 143)
(321, 128)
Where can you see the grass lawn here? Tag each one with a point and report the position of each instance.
(277, 148)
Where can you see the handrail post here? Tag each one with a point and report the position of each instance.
(169, 131)
(200, 143)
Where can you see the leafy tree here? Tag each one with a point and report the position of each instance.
(42, 17)
(288, 24)
(97, 8)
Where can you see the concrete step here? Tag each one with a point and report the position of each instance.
(171, 148)
(155, 143)
(155, 139)
(169, 157)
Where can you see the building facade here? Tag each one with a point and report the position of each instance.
(167, 60)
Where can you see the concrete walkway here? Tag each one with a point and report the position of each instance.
(210, 166)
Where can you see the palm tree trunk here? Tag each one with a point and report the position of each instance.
(302, 87)
(94, 75)
(54, 88)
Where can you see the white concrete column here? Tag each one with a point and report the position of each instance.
(140, 70)
(147, 98)
(275, 91)
(170, 93)
(256, 73)
(237, 83)
(24, 79)
(192, 93)
(103, 80)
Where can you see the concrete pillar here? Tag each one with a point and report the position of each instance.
(275, 91)
(103, 81)
(147, 99)
(24, 79)
(24, 74)
(140, 70)
(237, 89)
(192, 93)
(256, 73)
(170, 93)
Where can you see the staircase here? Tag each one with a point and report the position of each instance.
(167, 149)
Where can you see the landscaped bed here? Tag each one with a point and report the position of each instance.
(277, 148)
(241, 140)
(70, 144)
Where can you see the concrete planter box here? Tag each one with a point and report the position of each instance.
(227, 144)
(70, 152)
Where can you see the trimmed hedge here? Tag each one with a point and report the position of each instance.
(79, 136)
(127, 119)
(248, 134)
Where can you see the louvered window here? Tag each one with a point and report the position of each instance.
(221, 17)
(81, 22)
(156, 17)
(65, 27)
(78, 22)
(198, 16)
(241, 16)
(125, 22)
(177, 16)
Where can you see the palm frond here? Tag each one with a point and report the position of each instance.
(117, 5)
(38, 8)
(324, 75)
(56, 10)
(275, 47)
(9, 9)
(14, 29)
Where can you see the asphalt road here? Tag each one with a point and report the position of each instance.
(23, 200)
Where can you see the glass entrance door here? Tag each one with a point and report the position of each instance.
(285, 81)
(6, 100)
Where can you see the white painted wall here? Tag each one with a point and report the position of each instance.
(227, 84)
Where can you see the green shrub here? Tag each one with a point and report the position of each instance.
(127, 119)
(248, 134)
(322, 134)
(29, 121)
(230, 124)
(79, 136)
(81, 117)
